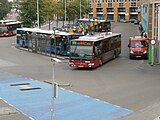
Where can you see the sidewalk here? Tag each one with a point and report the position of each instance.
(8, 112)
(144, 65)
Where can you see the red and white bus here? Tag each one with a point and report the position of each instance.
(92, 51)
(8, 27)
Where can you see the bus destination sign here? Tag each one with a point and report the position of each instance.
(81, 43)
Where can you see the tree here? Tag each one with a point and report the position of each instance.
(73, 9)
(59, 11)
(5, 7)
(49, 10)
(28, 12)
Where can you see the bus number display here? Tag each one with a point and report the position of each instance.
(81, 43)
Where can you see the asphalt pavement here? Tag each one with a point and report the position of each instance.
(10, 112)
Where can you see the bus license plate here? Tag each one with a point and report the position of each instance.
(138, 56)
(81, 66)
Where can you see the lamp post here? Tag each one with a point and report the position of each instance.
(80, 9)
(153, 10)
(37, 13)
(1, 10)
(65, 7)
(54, 85)
(55, 49)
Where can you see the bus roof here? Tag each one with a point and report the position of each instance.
(11, 23)
(27, 29)
(67, 34)
(37, 30)
(97, 37)
(6, 21)
(40, 31)
(91, 20)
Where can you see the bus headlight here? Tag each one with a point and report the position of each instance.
(91, 64)
(145, 51)
(131, 52)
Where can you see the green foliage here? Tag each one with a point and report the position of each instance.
(28, 12)
(48, 9)
(5, 7)
(73, 9)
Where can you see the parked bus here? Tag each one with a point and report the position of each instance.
(98, 25)
(8, 27)
(138, 47)
(92, 51)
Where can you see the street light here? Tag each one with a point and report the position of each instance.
(153, 10)
(65, 7)
(38, 13)
(80, 9)
(54, 85)
(2, 11)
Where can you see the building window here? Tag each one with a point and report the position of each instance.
(99, 5)
(99, 10)
(133, 4)
(109, 5)
(109, 0)
(121, 4)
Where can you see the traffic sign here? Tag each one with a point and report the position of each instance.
(54, 28)
(153, 42)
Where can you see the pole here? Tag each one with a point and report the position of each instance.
(159, 34)
(65, 11)
(53, 91)
(1, 11)
(37, 14)
(55, 49)
(54, 85)
(152, 62)
(80, 9)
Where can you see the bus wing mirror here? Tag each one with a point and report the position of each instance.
(129, 45)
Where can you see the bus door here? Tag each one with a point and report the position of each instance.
(34, 42)
(65, 42)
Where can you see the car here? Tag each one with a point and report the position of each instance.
(136, 22)
(122, 20)
(132, 20)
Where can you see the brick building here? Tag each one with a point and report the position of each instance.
(115, 10)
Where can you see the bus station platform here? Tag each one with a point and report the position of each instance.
(22, 98)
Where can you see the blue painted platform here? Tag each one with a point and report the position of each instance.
(68, 106)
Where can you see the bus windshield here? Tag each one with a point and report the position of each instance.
(81, 52)
(3, 29)
(139, 44)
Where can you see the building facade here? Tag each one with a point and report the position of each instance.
(151, 24)
(149, 10)
(115, 10)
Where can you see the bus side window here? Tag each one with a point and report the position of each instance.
(95, 51)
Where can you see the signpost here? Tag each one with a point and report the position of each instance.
(54, 85)
(152, 42)
(54, 29)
